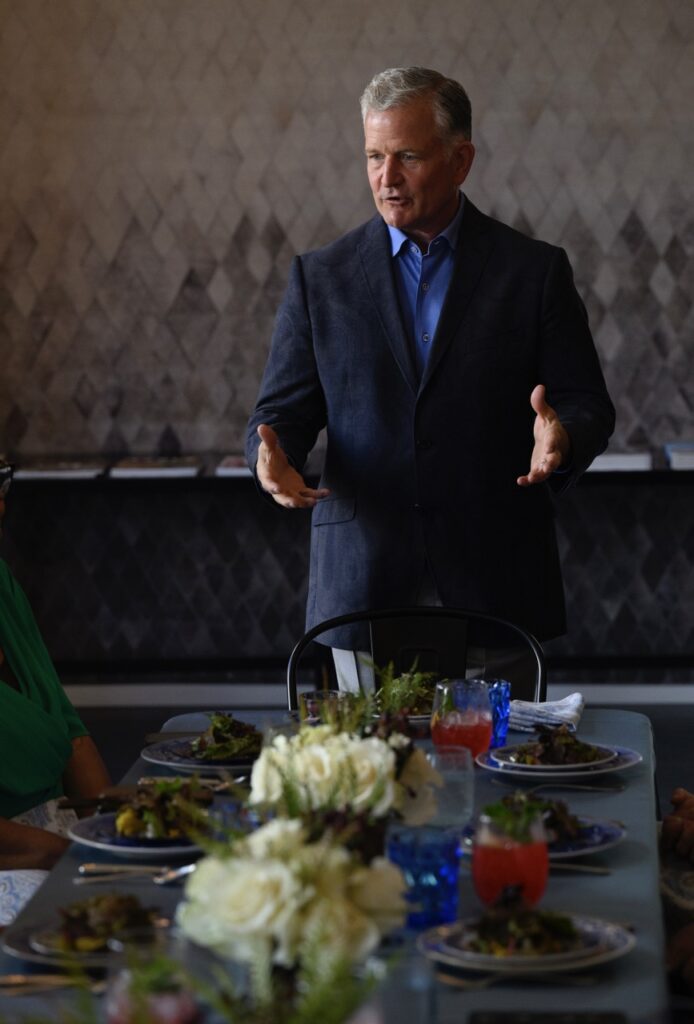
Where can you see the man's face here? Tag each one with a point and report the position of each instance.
(414, 176)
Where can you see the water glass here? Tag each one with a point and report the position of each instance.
(500, 698)
(429, 858)
(462, 715)
(319, 706)
(509, 864)
(455, 797)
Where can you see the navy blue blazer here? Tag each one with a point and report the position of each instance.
(426, 470)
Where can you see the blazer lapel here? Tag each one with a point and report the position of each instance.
(475, 243)
(377, 263)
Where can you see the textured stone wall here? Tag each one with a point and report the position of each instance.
(161, 161)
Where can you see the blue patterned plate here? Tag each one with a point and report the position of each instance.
(624, 758)
(597, 835)
(600, 942)
(99, 832)
(506, 756)
(176, 754)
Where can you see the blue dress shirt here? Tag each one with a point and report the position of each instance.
(423, 280)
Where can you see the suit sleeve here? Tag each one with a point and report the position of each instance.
(291, 398)
(571, 372)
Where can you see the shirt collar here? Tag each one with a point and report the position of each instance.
(398, 238)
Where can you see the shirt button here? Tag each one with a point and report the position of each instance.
(425, 337)
(425, 287)
(413, 248)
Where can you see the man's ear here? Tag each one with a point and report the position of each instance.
(465, 154)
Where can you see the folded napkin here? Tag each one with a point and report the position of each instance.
(526, 715)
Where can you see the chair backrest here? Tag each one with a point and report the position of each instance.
(439, 639)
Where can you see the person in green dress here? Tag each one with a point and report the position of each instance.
(45, 750)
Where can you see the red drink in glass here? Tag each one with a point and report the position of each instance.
(495, 868)
(463, 729)
(462, 715)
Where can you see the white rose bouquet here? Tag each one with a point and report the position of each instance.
(321, 768)
(277, 898)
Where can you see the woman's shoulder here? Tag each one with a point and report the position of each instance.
(9, 587)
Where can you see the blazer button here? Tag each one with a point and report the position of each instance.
(418, 508)
(424, 445)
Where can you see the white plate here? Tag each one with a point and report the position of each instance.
(602, 941)
(598, 835)
(176, 754)
(624, 758)
(23, 942)
(99, 832)
(505, 757)
(17, 942)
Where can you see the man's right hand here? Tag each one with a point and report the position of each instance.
(279, 478)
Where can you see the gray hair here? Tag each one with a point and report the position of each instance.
(397, 86)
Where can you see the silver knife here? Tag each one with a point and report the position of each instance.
(120, 869)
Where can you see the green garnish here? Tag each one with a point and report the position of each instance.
(411, 691)
(515, 815)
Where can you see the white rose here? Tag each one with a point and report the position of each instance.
(339, 927)
(369, 776)
(317, 773)
(233, 905)
(281, 837)
(312, 735)
(325, 867)
(378, 891)
(266, 779)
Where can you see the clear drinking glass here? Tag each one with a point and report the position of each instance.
(455, 797)
(509, 861)
(319, 706)
(462, 715)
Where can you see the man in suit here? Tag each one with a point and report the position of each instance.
(451, 361)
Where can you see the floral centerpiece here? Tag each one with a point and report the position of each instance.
(299, 911)
(322, 767)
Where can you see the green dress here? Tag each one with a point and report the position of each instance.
(37, 722)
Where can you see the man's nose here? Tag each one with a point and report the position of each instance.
(391, 171)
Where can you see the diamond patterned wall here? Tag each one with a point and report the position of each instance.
(161, 161)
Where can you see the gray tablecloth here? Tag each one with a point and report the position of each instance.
(635, 985)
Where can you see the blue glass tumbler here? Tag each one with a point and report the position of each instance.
(500, 700)
(429, 858)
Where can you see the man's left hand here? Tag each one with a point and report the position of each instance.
(552, 442)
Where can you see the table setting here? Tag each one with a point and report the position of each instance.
(411, 865)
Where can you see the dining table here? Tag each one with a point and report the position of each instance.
(632, 988)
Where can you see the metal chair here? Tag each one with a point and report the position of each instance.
(437, 638)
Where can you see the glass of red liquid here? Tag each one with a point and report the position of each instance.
(462, 715)
(509, 865)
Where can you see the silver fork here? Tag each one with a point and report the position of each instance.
(160, 875)
(173, 874)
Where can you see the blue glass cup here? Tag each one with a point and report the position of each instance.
(500, 700)
(429, 858)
